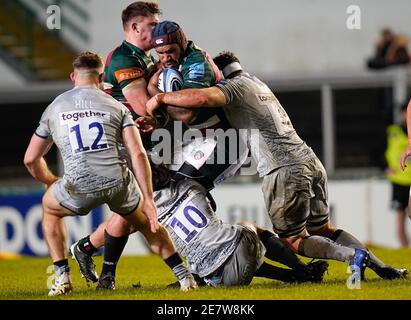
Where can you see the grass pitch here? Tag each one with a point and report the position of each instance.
(26, 278)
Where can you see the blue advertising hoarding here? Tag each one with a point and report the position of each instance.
(20, 224)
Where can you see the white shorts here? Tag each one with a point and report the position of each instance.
(122, 199)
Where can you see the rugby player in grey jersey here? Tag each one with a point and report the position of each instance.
(88, 126)
(294, 180)
(219, 254)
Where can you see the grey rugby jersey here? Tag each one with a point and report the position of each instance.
(86, 125)
(203, 239)
(269, 133)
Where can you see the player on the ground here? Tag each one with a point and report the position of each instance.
(222, 254)
(88, 126)
(295, 182)
(217, 252)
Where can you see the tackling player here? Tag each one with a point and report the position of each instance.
(220, 254)
(295, 182)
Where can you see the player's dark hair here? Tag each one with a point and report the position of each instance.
(225, 58)
(139, 9)
(88, 60)
(161, 175)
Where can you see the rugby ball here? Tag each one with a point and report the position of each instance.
(170, 79)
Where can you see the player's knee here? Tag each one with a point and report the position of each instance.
(325, 230)
(248, 225)
(293, 242)
(118, 226)
(159, 241)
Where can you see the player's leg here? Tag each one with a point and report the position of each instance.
(401, 227)
(288, 193)
(319, 226)
(115, 235)
(277, 251)
(55, 235)
(269, 271)
(240, 267)
(127, 203)
(319, 217)
(346, 239)
(399, 204)
(92, 242)
(82, 252)
(161, 244)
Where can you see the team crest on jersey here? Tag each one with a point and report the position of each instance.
(128, 73)
(198, 155)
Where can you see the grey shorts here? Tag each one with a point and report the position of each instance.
(122, 199)
(240, 267)
(296, 197)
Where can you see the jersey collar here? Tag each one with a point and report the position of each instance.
(135, 49)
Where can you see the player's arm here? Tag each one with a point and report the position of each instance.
(129, 72)
(183, 114)
(152, 87)
(407, 152)
(34, 160)
(196, 75)
(142, 172)
(137, 95)
(188, 98)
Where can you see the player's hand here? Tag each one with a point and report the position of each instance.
(150, 211)
(154, 78)
(152, 85)
(146, 124)
(404, 157)
(153, 104)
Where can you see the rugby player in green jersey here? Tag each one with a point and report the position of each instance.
(198, 71)
(127, 65)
